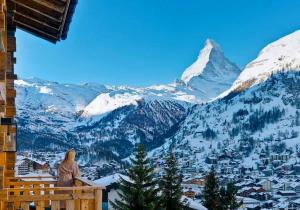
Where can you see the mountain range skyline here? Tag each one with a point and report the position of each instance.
(152, 45)
(102, 122)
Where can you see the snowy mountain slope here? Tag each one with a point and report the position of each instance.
(263, 116)
(260, 111)
(280, 55)
(117, 97)
(147, 122)
(212, 73)
(55, 97)
(261, 108)
(209, 76)
(46, 110)
(44, 100)
(52, 115)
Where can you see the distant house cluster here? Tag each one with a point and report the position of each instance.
(27, 165)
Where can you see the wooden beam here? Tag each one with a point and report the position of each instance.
(53, 21)
(64, 18)
(36, 23)
(36, 31)
(48, 16)
(45, 5)
(37, 8)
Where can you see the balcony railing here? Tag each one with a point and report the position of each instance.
(39, 193)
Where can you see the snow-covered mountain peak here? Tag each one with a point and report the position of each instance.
(41, 94)
(198, 67)
(280, 55)
(211, 44)
(212, 73)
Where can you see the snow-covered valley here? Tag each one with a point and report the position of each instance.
(215, 108)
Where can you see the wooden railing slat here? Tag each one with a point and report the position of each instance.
(85, 188)
(55, 205)
(62, 197)
(70, 205)
(85, 195)
(47, 192)
(40, 205)
(84, 205)
(98, 199)
(25, 205)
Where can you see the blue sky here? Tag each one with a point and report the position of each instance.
(142, 42)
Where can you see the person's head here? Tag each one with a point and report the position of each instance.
(70, 155)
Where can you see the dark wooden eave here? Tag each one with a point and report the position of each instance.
(47, 19)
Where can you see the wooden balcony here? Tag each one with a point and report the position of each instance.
(39, 193)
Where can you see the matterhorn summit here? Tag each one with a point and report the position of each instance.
(212, 73)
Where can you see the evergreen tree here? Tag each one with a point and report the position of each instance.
(171, 185)
(223, 199)
(228, 198)
(140, 191)
(297, 118)
(211, 195)
(231, 192)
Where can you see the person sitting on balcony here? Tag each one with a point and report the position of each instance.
(68, 170)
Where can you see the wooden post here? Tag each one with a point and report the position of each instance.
(98, 199)
(25, 205)
(7, 93)
(84, 205)
(78, 192)
(55, 205)
(2, 85)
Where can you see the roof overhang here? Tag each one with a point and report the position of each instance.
(47, 19)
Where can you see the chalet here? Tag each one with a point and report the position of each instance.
(200, 182)
(296, 168)
(268, 204)
(191, 204)
(284, 205)
(268, 172)
(211, 160)
(190, 193)
(246, 191)
(295, 186)
(265, 184)
(295, 204)
(287, 193)
(246, 183)
(261, 196)
(248, 203)
(49, 20)
(284, 157)
(26, 166)
(23, 167)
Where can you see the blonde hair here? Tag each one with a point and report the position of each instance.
(70, 155)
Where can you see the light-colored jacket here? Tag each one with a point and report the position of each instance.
(67, 171)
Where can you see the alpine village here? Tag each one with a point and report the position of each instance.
(218, 138)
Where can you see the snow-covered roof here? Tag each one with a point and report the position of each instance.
(20, 160)
(247, 200)
(108, 180)
(38, 177)
(194, 204)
